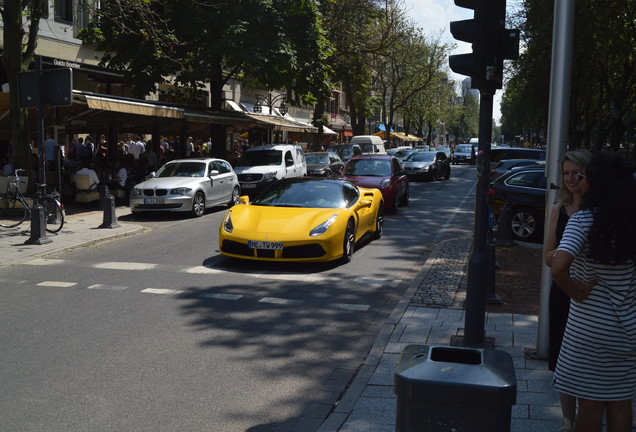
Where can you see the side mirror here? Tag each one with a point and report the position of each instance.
(364, 204)
(214, 173)
(244, 199)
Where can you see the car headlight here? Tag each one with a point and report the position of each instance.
(227, 222)
(268, 176)
(323, 227)
(135, 192)
(180, 191)
(426, 168)
(385, 183)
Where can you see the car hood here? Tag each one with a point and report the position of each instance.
(417, 164)
(371, 182)
(170, 182)
(257, 169)
(261, 221)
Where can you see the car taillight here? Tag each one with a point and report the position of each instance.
(491, 191)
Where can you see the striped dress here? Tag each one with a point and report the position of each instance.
(598, 355)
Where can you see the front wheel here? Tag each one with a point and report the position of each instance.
(12, 212)
(198, 205)
(53, 215)
(525, 224)
(349, 242)
(379, 222)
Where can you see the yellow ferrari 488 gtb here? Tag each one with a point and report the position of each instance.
(302, 219)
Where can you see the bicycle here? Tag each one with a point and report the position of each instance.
(14, 207)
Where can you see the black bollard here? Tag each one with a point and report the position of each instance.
(107, 203)
(504, 235)
(38, 222)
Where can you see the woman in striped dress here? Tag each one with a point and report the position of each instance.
(595, 265)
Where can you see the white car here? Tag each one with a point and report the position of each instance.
(187, 185)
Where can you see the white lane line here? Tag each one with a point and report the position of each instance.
(290, 277)
(160, 291)
(351, 307)
(280, 301)
(378, 282)
(221, 296)
(202, 270)
(107, 287)
(57, 284)
(450, 219)
(42, 261)
(113, 265)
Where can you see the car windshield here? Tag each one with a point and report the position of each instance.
(369, 167)
(421, 157)
(316, 159)
(343, 152)
(402, 153)
(260, 158)
(463, 149)
(182, 169)
(305, 194)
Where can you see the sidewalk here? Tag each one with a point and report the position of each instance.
(80, 228)
(429, 314)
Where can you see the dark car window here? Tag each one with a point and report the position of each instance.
(531, 179)
(351, 194)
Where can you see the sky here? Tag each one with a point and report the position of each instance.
(434, 16)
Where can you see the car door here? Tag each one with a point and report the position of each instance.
(222, 181)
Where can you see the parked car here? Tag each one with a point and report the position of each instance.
(346, 151)
(187, 185)
(260, 166)
(524, 190)
(429, 165)
(324, 164)
(504, 153)
(464, 153)
(369, 144)
(506, 165)
(403, 154)
(302, 219)
(446, 150)
(382, 172)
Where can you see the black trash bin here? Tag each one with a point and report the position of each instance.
(445, 388)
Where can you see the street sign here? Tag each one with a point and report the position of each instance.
(57, 88)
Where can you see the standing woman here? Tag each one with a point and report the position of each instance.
(595, 265)
(573, 163)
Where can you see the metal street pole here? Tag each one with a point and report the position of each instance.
(478, 263)
(558, 123)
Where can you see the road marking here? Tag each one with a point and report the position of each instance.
(281, 301)
(160, 291)
(107, 287)
(202, 270)
(441, 232)
(42, 261)
(351, 307)
(57, 284)
(113, 265)
(378, 282)
(290, 277)
(221, 296)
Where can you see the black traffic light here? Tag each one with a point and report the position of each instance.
(491, 43)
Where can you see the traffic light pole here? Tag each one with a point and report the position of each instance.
(478, 264)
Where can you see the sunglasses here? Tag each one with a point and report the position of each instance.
(581, 176)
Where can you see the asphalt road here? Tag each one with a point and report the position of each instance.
(158, 332)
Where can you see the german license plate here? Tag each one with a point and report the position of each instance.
(264, 245)
(154, 201)
(248, 186)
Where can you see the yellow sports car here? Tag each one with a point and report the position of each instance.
(302, 219)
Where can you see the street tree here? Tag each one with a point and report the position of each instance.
(21, 22)
(192, 43)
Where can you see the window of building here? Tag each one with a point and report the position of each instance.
(64, 10)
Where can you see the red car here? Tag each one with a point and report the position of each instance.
(382, 172)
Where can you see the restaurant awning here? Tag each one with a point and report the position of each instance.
(132, 107)
(281, 123)
(400, 135)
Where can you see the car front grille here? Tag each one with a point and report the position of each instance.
(154, 192)
(250, 178)
(291, 252)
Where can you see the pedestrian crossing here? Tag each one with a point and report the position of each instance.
(204, 270)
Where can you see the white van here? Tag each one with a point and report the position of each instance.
(369, 144)
(258, 167)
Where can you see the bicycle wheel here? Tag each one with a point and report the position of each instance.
(12, 212)
(53, 214)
